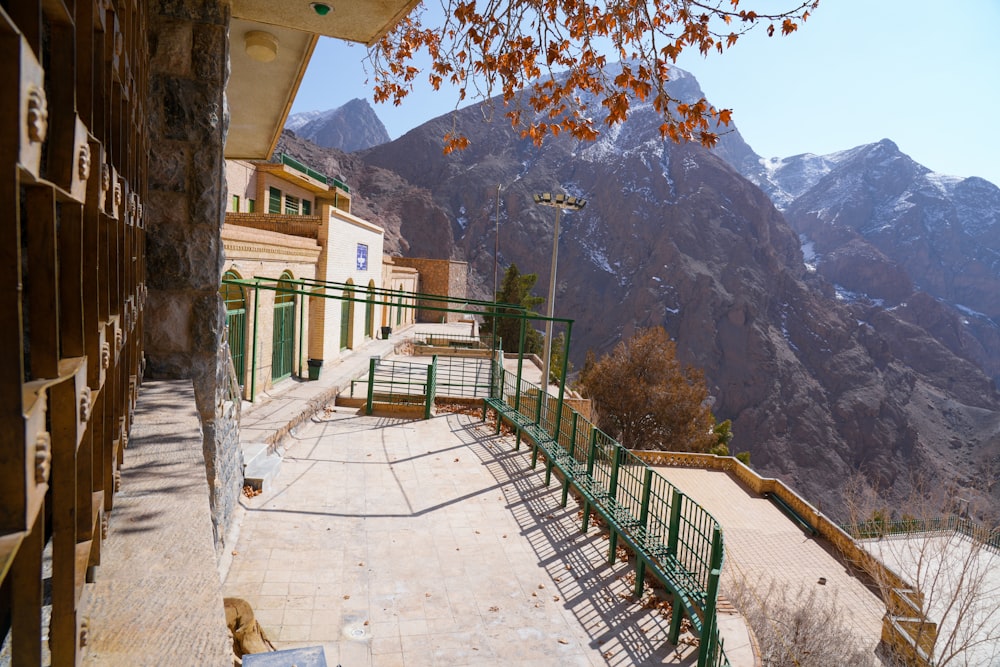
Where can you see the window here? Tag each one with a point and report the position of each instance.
(307, 207)
(251, 205)
(291, 205)
(236, 203)
(274, 201)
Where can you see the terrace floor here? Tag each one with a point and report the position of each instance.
(393, 542)
(765, 550)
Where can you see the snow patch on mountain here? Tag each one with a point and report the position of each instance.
(297, 120)
(809, 256)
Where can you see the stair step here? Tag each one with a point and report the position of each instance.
(253, 451)
(260, 473)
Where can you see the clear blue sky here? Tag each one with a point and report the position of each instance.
(924, 74)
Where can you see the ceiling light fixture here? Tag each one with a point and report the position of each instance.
(261, 46)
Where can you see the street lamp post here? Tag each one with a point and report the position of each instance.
(496, 245)
(559, 202)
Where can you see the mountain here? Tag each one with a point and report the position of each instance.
(883, 227)
(817, 386)
(351, 127)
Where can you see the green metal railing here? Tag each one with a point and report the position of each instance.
(453, 378)
(400, 383)
(460, 341)
(881, 528)
(462, 378)
(667, 529)
(289, 161)
(337, 183)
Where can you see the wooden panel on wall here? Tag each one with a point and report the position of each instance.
(73, 151)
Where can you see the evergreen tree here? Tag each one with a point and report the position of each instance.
(556, 361)
(516, 290)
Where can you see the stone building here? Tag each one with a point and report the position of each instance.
(116, 121)
(439, 276)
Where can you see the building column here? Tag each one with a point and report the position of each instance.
(185, 317)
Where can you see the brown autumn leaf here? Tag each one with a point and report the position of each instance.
(547, 55)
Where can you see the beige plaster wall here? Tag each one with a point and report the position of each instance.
(241, 180)
(340, 236)
(257, 253)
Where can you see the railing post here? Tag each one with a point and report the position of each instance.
(520, 365)
(590, 469)
(709, 631)
(302, 309)
(572, 434)
(253, 353)
(371, 385)
(431, 387)
(592, 452)
(640, 564)
(542, 395)
(562, 378)
(572, 455)
(675, 522)
(612, 493)
(676, 616)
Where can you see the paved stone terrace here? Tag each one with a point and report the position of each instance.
(433, 543)
(157, 599)
(764, 547)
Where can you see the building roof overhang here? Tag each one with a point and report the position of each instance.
(293, 176)
(267, 69)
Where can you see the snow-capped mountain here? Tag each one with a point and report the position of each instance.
(879, 224)
(351, 127)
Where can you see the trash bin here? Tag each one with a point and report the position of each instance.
(385, 332)
(315, 366)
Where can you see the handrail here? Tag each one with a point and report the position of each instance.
(987, 537)
(665, 528)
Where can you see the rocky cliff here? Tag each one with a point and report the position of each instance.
(880, 226)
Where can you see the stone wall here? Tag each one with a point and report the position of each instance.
(443, 277)
(185, 318)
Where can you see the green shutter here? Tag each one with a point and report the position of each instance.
(306, 207)
(274, 201)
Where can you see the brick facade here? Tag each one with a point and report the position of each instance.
(306, 226)
(439, 276)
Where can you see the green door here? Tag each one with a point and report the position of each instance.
(236, 323)
(369, 311)
(345, 319)
(283, 348)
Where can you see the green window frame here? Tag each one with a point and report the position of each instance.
(306, 207)
(274, 201)
(291, 205)
(251, 206)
